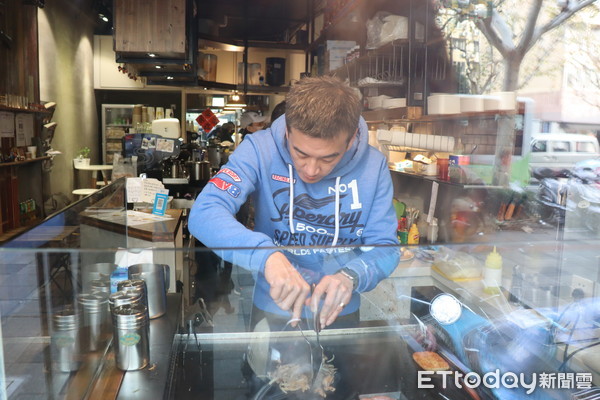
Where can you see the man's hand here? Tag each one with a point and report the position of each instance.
(337, 289)
(288, 289)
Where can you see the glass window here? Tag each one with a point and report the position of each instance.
(585, 147)
(539, 146)
(560, 146)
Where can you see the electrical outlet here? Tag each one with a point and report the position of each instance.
(586, 285)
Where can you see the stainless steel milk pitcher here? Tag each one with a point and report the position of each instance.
(157, 281)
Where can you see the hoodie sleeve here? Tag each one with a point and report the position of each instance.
(212, 217)
(380, 254)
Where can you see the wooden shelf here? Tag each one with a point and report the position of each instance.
(24, 110)
(17, 163)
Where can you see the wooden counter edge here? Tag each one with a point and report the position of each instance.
(144, 232)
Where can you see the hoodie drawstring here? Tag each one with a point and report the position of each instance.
(291, 218)
(337, 211)
(337, 205)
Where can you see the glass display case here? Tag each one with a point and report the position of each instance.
(515, 316)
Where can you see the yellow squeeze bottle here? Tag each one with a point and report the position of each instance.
(413, 234)
(492, 273)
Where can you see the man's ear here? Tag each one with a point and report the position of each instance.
(352, 139)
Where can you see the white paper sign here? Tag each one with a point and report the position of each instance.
(149, 189)
(7, 124)
(24, 128)
(141, 190)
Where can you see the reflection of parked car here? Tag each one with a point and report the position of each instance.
(577, 194)
(589, 169)
(561, 151)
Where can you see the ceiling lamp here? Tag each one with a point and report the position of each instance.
(235, 101)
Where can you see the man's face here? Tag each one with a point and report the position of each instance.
(314, 158)
(255, 126)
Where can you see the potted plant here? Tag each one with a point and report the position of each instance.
(83, 157)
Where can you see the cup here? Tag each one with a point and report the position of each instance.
(442, 164)
(28, 155)
(156, 277)
(32, 150)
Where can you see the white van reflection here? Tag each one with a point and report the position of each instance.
(561, 151)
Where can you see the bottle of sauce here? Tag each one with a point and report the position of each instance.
(492, 273)
(413, 234)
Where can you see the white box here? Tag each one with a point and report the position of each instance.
(471, 103)
(443, 104)
(508, 100)
(491, 103)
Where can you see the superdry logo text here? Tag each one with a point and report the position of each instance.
(231, 174)
(226, 186)
(280, 178)
(306, 219)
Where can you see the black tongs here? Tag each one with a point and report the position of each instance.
(318, 351)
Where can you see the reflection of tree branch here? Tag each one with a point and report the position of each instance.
(485, 26)
(572, 7)
(526, 38)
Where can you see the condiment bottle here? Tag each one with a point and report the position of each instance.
(402, 232)
(413, 234)
(492, 273)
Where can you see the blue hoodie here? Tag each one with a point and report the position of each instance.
(310, 217)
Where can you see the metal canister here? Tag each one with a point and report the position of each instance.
(100, 285)
(65, 340)
(131, 337)
(125, 298)
(95, 312)
(135, 285)
(95, 271)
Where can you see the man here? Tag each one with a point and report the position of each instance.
(315, 181)
(226, 133)
(251, 122)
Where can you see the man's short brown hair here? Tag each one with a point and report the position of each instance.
(322, 107)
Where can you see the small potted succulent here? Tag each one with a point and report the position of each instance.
(83, 157)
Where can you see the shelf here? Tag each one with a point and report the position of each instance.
(24, 110)
(401, 113)
(119, 125)
(17, 163)
(264, 89)
(415, 113)
(213, 42)
(488, 113)
(8, 235)
(449, 183)
(329, 31)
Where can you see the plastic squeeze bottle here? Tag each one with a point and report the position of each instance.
(492, 273)
(413, 234)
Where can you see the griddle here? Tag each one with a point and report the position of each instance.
(368, 360)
